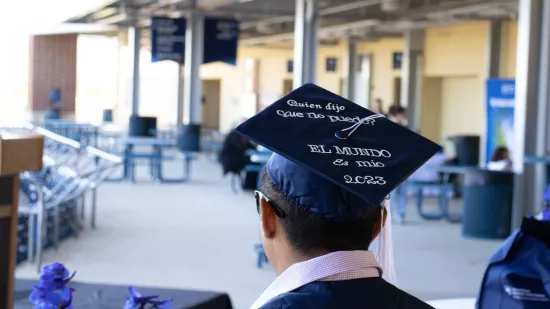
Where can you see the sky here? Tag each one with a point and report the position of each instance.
(20, 18)
(29, 15)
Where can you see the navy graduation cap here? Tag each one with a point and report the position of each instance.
(333, 157)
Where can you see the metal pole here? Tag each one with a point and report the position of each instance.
(306, 25)
(543, 101)
(494, 40)
(134, 38)
(194, 41)
(492, 60)
(179, 109)
(526, 107)
(351, 70)
(411, 77)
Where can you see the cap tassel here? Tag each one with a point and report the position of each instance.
(367, 120)
(384, 253)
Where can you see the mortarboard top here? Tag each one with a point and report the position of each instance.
(328, 159)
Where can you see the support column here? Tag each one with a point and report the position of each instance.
(306, 24)
(363, 83)
(494, 43)
(350, 67)
(492, 61)
(194, 41)
(189, 131)
(411, 77)
(179, 108)
(134, 42)
(532, 77)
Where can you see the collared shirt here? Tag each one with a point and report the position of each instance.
(335, 266)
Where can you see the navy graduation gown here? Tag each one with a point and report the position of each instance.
(366, 293)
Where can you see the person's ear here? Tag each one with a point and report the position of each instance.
(268, 219)
(380, 223)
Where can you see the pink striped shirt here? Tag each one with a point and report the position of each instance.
(336, 266)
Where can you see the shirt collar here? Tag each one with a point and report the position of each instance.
(318, 268)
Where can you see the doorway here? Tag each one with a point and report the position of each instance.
(397, 91)
(287, 86)
(211, 103)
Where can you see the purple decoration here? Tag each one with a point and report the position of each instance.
(52, 291)
(546, 195)
(137, 301)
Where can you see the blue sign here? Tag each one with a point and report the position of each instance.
(221, 37)
(331, 64)
(397, 60)
(290, 66)
(501, 95)
(168, 39)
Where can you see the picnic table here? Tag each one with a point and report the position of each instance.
(155, 157)
(445, 187)
(537, 160)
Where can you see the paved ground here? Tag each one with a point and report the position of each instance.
(200, 235)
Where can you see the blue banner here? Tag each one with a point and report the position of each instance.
(221, 37)
(168, 39)
(500, 114)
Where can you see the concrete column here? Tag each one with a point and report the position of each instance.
(363, 82)
(494, 42)
(411, 77)
(179, 106)
(134, 42)
(532, 70)
(350, 69)
(306, 24)
(192, 90)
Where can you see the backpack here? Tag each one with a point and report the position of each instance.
(518, 274)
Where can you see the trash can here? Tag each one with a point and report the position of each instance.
(488, 199)
(107, 115)
(142, 126)
(188, 139)
(466, 149)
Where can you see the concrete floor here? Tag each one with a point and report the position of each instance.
(200, 235)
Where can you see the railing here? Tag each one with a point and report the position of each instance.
(52, 201)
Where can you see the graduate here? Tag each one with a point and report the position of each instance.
(322, 200)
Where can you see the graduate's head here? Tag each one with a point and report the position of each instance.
(334, 164)
(287, 226)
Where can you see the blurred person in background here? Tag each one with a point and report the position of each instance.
(233, 158)
(378, 106)
(398, 114)
(500, 160)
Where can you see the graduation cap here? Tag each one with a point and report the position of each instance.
(333, 157)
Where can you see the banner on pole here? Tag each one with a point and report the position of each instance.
(500, 114)
(221, 37)
(168, 39)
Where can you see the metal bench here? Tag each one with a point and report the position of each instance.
(52, 204)
(444, 190)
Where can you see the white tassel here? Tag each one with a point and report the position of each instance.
(384, 253)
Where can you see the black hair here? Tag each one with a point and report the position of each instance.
(500, 153)
(396, 109)
(309, 233)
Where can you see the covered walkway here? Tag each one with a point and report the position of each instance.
(200, 236)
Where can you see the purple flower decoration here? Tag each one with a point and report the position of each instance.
(546, 195)
(136, 301)
(546, 198)
(52, 291)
